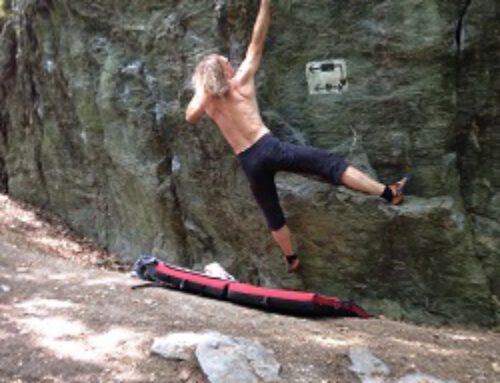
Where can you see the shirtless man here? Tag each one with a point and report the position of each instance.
(229, 99)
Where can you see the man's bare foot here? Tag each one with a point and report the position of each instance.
(293, 263)
(397, 190)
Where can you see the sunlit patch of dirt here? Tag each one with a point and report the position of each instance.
(28, 226)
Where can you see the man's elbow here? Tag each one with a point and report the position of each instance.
(191, 118)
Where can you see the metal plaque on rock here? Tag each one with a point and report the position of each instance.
(324, 77)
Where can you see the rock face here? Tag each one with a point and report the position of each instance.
(92, 128)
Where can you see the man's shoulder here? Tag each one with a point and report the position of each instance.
(246, 90)
(237, 82)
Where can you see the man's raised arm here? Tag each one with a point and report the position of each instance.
(254, 52)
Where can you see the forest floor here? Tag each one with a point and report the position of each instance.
(67, 314)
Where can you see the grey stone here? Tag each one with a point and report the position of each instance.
(177, 346)
(226, 359)
(368, 367)
(371, 369)
(421, 378)
(222, 358)
(5, 289)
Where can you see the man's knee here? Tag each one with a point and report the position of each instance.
(339, 169)
(276, 223)
(278, 229)
(343, 174)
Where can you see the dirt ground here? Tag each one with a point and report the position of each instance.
(67, 314)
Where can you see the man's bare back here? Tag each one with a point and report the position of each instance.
(229, 98)
(237, 115)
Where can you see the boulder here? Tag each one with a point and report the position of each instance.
(92, 128)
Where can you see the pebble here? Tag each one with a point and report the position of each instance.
(4, 289)
(184, 375)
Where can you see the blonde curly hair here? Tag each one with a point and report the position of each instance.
(209, 73)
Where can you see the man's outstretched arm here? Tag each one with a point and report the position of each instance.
(253, 56)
